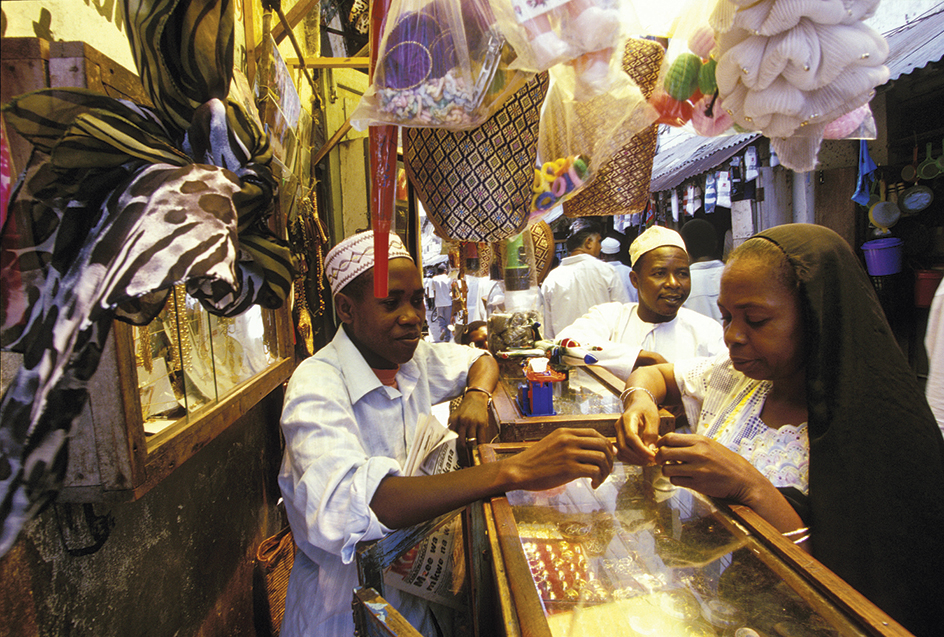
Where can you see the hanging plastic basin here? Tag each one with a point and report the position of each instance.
(882, 256)
(926, 282)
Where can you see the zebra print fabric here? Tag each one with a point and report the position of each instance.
(119, 203)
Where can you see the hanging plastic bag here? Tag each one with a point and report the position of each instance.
(622, 185)
(587, 33)
(578, 136)
(442, 64)
(797, 73)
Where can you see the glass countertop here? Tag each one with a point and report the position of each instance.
(639, 557)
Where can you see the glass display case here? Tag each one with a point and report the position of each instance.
(638, 557)
(587, 397)
(187, 358)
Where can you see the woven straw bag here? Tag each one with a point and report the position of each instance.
(622, 185)
(475, 185)
(274, 558)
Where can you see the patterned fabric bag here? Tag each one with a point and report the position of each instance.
(621, 186)
(476, 185)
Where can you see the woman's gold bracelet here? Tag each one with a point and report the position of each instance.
(629, 390)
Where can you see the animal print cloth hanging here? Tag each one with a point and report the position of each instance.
(119, 203)
(475, 185)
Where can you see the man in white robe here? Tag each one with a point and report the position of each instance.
(610, 253)
(701, 241)
(657, 329)
(580, 281)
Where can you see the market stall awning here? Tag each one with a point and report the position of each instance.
(916, 44)
(682, 155)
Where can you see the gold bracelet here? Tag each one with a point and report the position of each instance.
(484, 391)
(629, 390)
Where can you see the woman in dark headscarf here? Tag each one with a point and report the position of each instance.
(813, 406)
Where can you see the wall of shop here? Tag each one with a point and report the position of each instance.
(179, 561)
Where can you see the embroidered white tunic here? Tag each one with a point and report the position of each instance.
(618, 330)
(727, 405)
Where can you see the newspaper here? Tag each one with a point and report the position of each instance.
(427, 570)
(433, 449)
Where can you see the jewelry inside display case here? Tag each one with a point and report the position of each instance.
(639, 556)
(187, 358)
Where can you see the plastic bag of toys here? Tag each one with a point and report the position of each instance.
(441, 64)
(578, 135)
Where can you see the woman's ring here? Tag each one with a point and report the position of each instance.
(471, 441)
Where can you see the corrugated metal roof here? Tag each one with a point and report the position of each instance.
(682, 155)
(916, 44)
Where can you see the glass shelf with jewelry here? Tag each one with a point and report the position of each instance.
(187, 358)
(639, 556)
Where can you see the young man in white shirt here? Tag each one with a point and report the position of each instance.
(349, 417)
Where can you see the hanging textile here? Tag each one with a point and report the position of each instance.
(622, 184)
(119, 203)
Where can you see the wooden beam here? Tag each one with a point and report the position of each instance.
(293, 17)
(250, 34)
(330, 62)
(331, 143)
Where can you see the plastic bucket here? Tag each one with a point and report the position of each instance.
(926, 282)
(882, 256)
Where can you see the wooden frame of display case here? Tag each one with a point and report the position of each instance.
(110, 457)
(523, 615)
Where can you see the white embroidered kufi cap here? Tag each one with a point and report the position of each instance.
(355, 255)
(652, 238)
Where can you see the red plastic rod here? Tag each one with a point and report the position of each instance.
(383, 164)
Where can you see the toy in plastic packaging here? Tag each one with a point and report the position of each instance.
(441, 64)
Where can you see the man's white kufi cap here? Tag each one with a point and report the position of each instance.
(654, 237)
(610, 245)
(355, 255)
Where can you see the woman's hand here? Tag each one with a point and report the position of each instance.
(562, 456)
(707, 466)
(637, 431)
